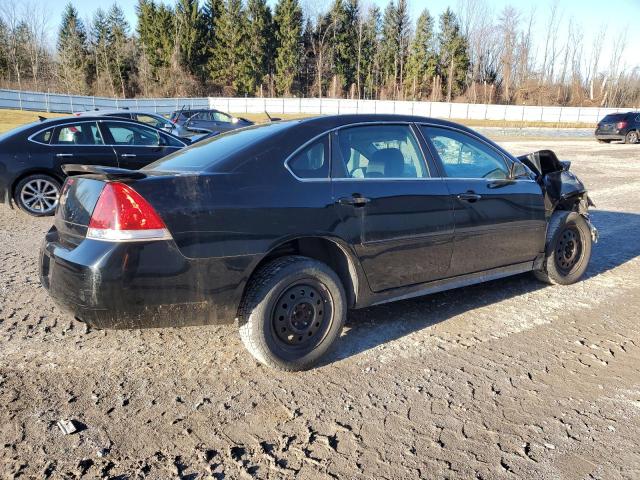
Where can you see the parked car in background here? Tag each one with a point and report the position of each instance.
(619, 126)
(150, 118)
(32, 156)
(287, 225)
(208, 120)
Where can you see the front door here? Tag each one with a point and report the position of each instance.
(391, 209)
(137, 145)
(499, 220)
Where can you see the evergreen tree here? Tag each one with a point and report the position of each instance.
(190, 34)
(72, 51)
(229, 64)
(395, 38)
(120, 48)
(288, 20)
(422, 64)
(155, 22)
(453, 54)
(371, 53)
(260, 39)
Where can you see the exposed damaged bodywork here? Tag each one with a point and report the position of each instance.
(562, 189)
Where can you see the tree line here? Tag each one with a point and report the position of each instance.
(245, 48)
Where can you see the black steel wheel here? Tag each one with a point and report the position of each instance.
(292, 312)
(568, 249)
(302, 314)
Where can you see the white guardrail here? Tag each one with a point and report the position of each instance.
(53, 102)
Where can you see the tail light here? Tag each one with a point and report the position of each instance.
(122, 215)
(621, 125)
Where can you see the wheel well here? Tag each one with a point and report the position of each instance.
(323, 250)
(577, 203)
(29, 173)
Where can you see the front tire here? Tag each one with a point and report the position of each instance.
(292, 313)
(631, 137)
(568, 249)
(37, 195)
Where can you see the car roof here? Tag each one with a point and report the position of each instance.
(100, 113)
(52, 122)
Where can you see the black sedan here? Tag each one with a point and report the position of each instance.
(285, 226)
(32, 156)
(208, 121)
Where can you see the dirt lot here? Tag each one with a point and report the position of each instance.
(510, 379)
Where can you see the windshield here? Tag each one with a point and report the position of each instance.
(206, 153)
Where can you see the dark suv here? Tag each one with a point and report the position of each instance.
(619, 126)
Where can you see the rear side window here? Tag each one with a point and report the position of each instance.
(85, 133)
(43, 137)
(312, 162)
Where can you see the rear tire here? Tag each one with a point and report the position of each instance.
(568, 249)
(631, 137)
(292, 313)
(37, 195)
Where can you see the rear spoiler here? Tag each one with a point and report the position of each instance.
(110, 173)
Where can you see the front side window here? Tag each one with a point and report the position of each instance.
(131, 134)
(153, 121)
(378, 151)
(463, 156)
(221, 117)
(85, 133)
(312, 162)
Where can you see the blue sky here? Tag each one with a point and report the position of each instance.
(591, 15)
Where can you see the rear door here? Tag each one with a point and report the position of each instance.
(499, 220)
(390, 204)
(80, 142)
(137, 145)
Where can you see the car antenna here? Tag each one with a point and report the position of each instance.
(268, 116)
(41, 118)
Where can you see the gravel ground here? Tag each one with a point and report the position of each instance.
(510, 379)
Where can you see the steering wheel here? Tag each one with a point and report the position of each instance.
(129, 139)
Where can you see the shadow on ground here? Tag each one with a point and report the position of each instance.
(370, 327)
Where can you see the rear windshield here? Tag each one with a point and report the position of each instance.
(614, 117)
(205, 154)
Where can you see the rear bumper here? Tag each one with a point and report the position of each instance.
(609, 136)
(139, 284)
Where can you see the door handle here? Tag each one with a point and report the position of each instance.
(64, 155)
(469, 197)
(128, 155)
(354, 201)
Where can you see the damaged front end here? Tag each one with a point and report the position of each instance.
(562, 189)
